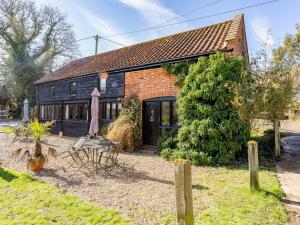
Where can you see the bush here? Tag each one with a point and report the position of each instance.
(127, 128)
(208, 115)
(166, 153)
(196, 158)
(168, 139)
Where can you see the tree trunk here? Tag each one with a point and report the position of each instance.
(38, 149)
(277, 138)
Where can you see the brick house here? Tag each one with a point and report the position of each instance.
(64, 95)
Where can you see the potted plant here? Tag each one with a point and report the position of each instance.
(33, 135)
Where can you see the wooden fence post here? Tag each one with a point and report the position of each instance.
(253, 165)
(183, 192)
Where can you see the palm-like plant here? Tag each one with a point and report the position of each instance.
(32, 134)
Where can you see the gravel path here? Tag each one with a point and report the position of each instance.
(146, 196)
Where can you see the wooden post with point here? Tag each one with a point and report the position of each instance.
(253, 165)
(183, 191)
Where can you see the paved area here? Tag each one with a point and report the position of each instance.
(8, 123)
(289, 170)
(291, 126)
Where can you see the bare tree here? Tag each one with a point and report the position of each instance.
(31, 39)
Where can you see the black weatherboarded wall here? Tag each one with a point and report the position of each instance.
(85, 85)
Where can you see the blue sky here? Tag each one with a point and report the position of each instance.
(269, 23)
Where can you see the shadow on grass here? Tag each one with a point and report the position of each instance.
(4, 174)
(290, 202)
(278, 196)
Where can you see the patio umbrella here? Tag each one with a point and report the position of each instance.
(94, 126)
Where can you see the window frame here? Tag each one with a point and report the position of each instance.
(51, 90)
(171, 114)
(73, 92)
(72, 111)
(102, 89)
(104, 111)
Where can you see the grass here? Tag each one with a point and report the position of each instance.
(226, 198)
(24, 200)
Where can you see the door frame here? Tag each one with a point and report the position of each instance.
(158, 100)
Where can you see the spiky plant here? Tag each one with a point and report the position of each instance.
(33, 135)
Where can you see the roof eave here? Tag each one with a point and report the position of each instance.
(144, 66)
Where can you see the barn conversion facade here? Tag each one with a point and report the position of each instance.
(65, 94)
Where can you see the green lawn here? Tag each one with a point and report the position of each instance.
(226, 198)
(221, 195)
(24, 200)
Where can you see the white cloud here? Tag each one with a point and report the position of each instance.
(262, 30)
(104, 26)
(155, 14)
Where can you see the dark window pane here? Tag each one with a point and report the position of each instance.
(85, 112)
(165, 113)
(101, 111)
(59, 112)
(75, 112)
(80, 111)
(48, 112)
(113, 110)
(51, 116)
(71, 111)
(174, 116)
(107, 113)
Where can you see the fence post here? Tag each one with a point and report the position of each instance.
(253, 165)
(183, 192)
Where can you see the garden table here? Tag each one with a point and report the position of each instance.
(98, 152)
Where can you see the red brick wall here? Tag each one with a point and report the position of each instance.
(150, 83)
(103, 75)
(239, 43)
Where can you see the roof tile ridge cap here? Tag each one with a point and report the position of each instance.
(235, 24)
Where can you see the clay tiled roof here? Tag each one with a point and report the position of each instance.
(186, 44)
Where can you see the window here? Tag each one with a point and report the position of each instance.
(73, 87)
(42, 112)
(50, 111)
(174, 114)
(107, 113)
(76, 111)
(51, 90)
(66, 112)
(165, 113)
(119, 106)
(113, 110)
(110, 110)
(102, 86)
(57, 112)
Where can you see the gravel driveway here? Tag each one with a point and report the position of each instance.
(146, 196)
